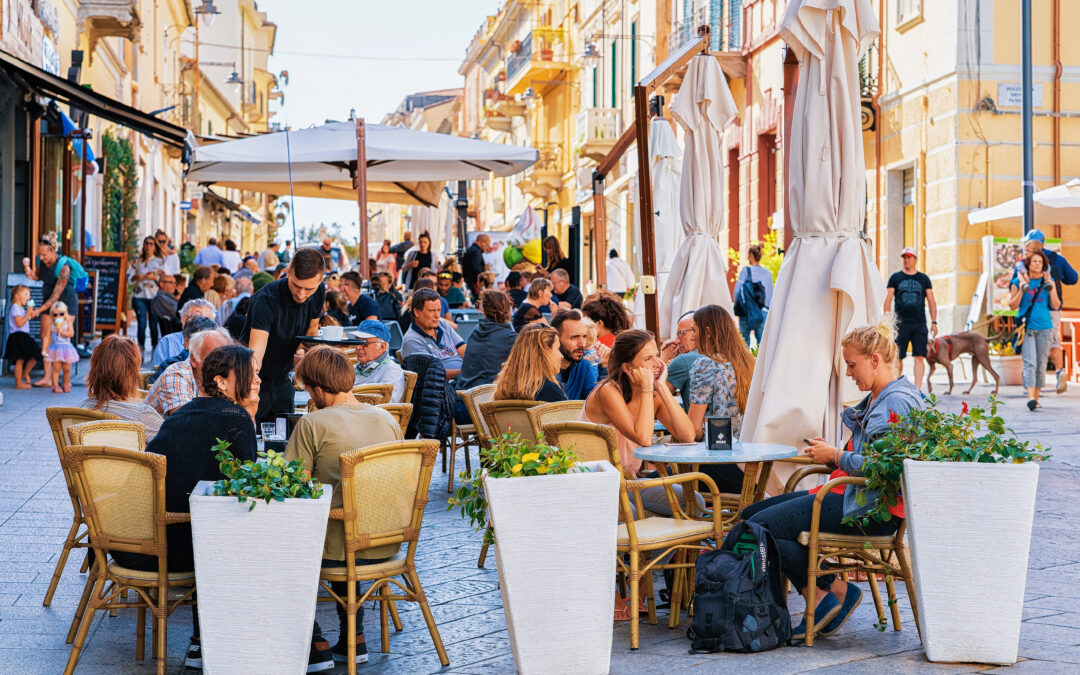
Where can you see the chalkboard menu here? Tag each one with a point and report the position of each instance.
(111, 286)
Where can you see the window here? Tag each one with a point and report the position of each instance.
(595, 86)
(614, 76)
(909, 207)
(908, 13)
(633, 53)
(734, 38)
(716, 24)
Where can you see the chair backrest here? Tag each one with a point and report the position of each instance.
(465, 328)
(594, 442)
(559, 411)
(410, 385)
(396, 337)
(62, 418)
(384, 491)
(382, 391)
(509, 417)
(472, 399)
(123, 497)
(466, 314)
(145, 377)
(111, 433)
(372, 399)
(402, 412)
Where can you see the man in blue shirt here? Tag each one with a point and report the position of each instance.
(431, 334)
(361, 307)
(1063, 274)
(210, 255)
(577, 375)
(172, 345)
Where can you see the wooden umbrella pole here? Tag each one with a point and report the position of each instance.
(645, 204)
(361, 195)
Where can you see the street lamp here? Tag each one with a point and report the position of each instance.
(208, 10)
(234, 80)
(591, 56)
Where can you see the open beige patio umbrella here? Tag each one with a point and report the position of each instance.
(828, 283)
(703, 107)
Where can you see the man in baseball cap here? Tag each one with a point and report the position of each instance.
(374, 364)
(1063, 274)
(912, 290)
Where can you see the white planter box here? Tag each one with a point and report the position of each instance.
(555, 544)
(257, 575)
(1010, 368)
(969, 528)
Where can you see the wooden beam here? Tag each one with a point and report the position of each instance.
(599, 242)
(361, 195)
(609, 161)
(677, 61)
(645, 203)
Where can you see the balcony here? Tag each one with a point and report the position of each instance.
(546, 176)
(597, 131)
(540, 55)
(108, 18)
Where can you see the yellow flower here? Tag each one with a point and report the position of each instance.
(531, 457)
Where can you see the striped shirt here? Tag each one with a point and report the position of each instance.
(174, 388)
(130, 411)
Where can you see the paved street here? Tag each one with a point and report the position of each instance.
(35, 514)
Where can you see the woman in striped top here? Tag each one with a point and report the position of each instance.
(113, 384)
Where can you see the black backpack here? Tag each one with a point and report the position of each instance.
(750, 299)
(739, 601)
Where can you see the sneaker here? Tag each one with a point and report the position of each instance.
(851, 600)
(1062, 381)
(194, 655)
(826, 610)
(320, 658)
(341, 650)
(1032, 404)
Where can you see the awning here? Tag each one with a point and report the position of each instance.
(39, 81)
(69, 129)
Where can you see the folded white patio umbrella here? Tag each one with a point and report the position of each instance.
(828, 283)
(1059, 205)
(403, 165)
(665, 163)
(703, 108)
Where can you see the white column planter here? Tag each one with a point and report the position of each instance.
(257, 575)
(1010, 368)
(969, 528)
(555, 544)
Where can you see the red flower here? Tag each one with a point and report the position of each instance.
(893, 418)
(965, 409)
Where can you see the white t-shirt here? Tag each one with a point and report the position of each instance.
(232, 260)
(619, 275)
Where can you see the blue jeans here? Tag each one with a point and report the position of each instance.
(142, 313)
(1035, 349)
(785, 516)
(745, 327)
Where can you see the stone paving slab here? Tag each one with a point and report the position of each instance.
(35, 516)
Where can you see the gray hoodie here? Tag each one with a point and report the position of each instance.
(867, 422)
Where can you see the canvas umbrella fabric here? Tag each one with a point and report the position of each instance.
(665, 162)
(703, 108)
(828, 283)
(1059, 205)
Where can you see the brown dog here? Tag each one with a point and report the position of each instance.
(944, 349)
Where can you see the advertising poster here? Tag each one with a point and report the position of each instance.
(1003, 254)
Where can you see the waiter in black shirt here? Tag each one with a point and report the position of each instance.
(280, 313)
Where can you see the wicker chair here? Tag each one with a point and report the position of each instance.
(123, 497)
(60, 419)
(885, 555)
(410, 385)
(559, 411)
(383, 391)
(504, 417)
(473, 398)
(646, 541)
(112, 433)
(384, 491)
(402, 412)
(144, 378)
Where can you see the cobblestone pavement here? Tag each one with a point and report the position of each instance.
(35, 515)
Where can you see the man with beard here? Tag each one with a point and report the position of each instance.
(578, 375)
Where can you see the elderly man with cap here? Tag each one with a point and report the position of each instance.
(1063, 274)
(912, 291)
(374, 365)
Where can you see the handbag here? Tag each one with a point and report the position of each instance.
(1021, 327)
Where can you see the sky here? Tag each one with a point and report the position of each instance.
(364, 55)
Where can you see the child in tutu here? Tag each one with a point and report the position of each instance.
(21, 348)
(61, 351)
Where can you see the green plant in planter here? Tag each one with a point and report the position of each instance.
(273, 479)
(976, 434)
(508, 456)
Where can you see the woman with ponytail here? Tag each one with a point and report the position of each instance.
(871, 356)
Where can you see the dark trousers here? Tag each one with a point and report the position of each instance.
(276, 395)
(785, 516)
(144, 316)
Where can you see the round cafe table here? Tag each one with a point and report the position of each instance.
(756, 458)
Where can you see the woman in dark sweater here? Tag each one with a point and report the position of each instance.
(490, 344)
(529, 372)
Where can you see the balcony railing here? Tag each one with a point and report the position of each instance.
(519, 58)
(597, 131)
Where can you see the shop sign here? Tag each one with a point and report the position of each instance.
(1011, 94)
(185, 206)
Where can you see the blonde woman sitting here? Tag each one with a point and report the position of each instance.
(530, 370)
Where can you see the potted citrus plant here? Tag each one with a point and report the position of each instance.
(1008, 364)
(257, 536)
(968, 485)
(554, 518)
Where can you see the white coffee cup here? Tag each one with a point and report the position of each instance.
(332, 332)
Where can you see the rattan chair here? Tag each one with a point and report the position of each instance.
(384, 491)
(885, 555)
(384, 392)
(644, 542)
(123, 498)
(504, 417)
(111, 433)
(145, 377)
(142, 394)
(402, 412)
(410, 385)
(461, 436)
(473, 398)
(60, 419)
(548, 413)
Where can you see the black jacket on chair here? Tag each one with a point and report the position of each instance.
(432, 399)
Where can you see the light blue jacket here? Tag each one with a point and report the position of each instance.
(867, 422)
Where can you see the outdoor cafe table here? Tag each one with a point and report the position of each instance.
(756, 458)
